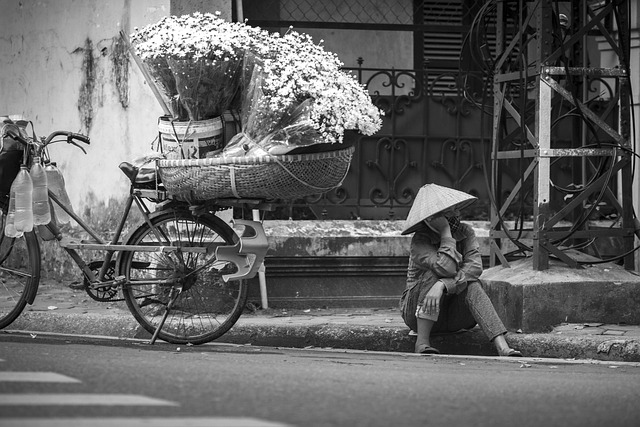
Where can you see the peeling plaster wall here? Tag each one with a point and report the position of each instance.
(64, 67)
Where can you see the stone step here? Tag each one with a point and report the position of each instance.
(338, 264)
(331, 282)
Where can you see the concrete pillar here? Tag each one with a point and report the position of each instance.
(634, 55)
(184, 7)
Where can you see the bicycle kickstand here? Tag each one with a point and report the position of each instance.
(173, 296)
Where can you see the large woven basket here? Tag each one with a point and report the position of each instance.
(267, 177)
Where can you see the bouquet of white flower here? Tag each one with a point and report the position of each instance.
(294, 94)
(290, 91)
(196, 61)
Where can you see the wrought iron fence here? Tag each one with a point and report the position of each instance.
(432, 132)
(438, 114)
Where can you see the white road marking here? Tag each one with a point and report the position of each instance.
(81, 399)
(36, 377)
(140, 422)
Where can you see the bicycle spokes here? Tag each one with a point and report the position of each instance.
(206, 306)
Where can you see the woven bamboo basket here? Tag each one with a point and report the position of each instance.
(267, 177)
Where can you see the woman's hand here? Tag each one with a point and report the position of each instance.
(431, 303)
(440, 225)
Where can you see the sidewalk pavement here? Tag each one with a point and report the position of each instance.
(60, 309)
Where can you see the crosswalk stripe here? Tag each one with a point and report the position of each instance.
(81, 399)
(36, 377)
(140, 422)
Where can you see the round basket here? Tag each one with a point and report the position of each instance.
(267, 177)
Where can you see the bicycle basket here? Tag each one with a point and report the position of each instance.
(268, 177)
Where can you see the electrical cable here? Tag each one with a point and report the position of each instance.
(476, 34)
(570, 84)
(489, 76)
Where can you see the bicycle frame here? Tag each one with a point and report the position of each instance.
(71, 246)
(252, 243)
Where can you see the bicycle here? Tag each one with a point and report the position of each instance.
(182, 271)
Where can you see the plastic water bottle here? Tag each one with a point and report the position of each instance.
(10, 225)
(41, 212)
(55, 181)
(23, 189)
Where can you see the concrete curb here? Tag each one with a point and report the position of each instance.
(595, 347)
(256, 331)
(112, 325)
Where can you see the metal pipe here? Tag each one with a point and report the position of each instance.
(262, 277)
(239, 11)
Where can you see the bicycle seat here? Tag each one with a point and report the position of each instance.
(138, 175)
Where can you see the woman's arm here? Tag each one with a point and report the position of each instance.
(442, 259)
(471, 266)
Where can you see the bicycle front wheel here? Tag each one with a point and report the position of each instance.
(205, 307)
(19, 273)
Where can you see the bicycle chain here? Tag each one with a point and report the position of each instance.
(105, 293)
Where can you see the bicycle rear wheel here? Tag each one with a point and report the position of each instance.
(206, 306)
(19, 274)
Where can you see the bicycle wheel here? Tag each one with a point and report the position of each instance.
(19, 274)
(206, 306)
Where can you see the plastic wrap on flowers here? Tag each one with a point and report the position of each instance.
(163, 77)
(265, 130)
(194, 60)
(206, 88)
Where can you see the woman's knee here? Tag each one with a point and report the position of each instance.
(475, 289)
(475, 286)
(475, 294)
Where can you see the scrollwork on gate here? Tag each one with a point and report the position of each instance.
(463, 161)
(384, 165)
(411, 148)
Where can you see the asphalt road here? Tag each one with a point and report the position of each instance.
(73, 381)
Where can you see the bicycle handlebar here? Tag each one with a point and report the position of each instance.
(71, 137)
(81, 137)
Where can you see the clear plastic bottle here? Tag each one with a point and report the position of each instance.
(23, 189)
(10, 225)
(55, 180)
(41, 212)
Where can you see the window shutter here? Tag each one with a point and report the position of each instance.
(442, 49)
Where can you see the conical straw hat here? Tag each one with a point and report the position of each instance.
(433, 199)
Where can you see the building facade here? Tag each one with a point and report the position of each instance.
(424, 62)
